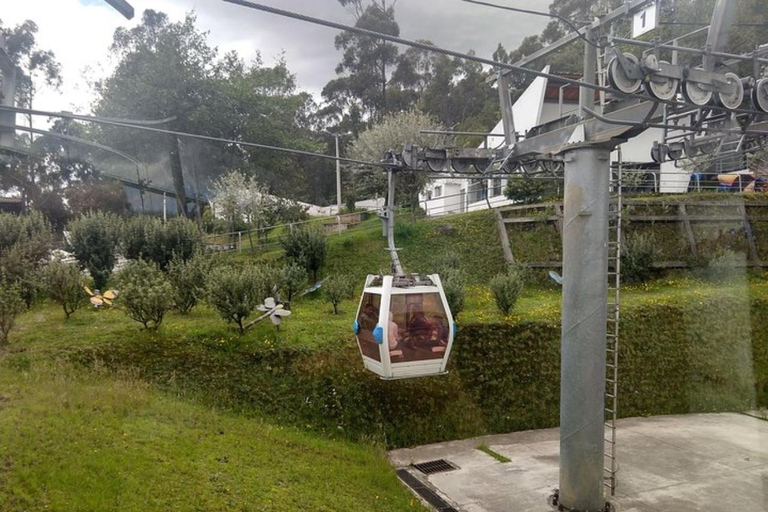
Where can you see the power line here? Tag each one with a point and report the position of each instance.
(573, 27)
(474, 58)
(123, 124)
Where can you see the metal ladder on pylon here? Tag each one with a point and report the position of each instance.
(612, 339)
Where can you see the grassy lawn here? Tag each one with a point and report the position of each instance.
(80, 437)
(89, 441)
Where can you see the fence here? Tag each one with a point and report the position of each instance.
(270, 237)
(683, 232)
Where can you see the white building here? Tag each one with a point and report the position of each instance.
(543, 102)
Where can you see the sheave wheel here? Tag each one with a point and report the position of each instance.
(732, 101)
(760, 95)
(619, 79)
(661, 87)
(693, 93)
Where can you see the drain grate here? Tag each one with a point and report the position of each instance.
(424, 492)
(435, 466)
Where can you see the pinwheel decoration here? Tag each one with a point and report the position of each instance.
(100, 299)
(272, 309)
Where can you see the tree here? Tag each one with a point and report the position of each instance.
(506, 288)
(361, 90)
(336, 289)
(93, 239)
(306, 247)
(11, 306)
(188, 281)
(145, 293)
(37, 65)
(64, 283)
(235, 292)
(293, 278)
(391, 134)
(459, 97)
(164, 71)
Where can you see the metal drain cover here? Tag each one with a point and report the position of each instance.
(435, 466)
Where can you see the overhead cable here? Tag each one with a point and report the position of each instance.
(473, 58)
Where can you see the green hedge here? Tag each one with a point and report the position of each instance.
(708, 354)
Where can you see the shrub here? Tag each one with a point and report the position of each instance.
(506, 288)
(292, 279)
(726, 266)
(133, 238)
(180, 238)
(454, 281)
(145, 293)
(93, 239)
(20, 267)
(532, 190)
(638, 254)
(306, 247)
(188, 281)
(148, 238)
(11, 306)
(32, 231)
(64, 283)
(337, 288)
(235, 292)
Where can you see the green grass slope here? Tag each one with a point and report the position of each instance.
(91, 441)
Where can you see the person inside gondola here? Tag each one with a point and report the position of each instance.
(369, 317)
(420, 329)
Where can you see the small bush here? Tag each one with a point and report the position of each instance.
(506, 288)
(32, 231)
(64, 283)
(337, 288)
(93, 239)
(726, 266)
(11, 306)
(180, 238)
(307, 248)
(149, 238)
(235, 292)
(145, 293)
(454, 280)
(188, 281)
(133, 237)
(19, 266)
(292, 279)
(532, 190)
(638, 254)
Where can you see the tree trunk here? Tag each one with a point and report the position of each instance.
(177, 172)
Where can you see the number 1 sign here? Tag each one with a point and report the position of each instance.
(645, 20)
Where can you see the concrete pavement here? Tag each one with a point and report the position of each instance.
(697, 462)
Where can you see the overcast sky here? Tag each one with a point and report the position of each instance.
(80, 31)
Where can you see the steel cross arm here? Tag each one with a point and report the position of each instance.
(645, 125)
(648, 44)
(549, 139)
(625, 10)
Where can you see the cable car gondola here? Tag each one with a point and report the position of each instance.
(404, 326)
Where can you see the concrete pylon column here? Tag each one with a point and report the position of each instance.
(584, 317)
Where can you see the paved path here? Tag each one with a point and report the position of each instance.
(698, 462)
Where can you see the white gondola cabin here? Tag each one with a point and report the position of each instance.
(404, 327)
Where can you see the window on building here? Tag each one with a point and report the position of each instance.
(477, 191)
(496, 188)
(438, 192)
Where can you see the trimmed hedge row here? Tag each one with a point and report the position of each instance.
(705, 355)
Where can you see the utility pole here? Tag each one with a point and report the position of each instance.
(10, 79)
(338, 175)
(584, 322)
